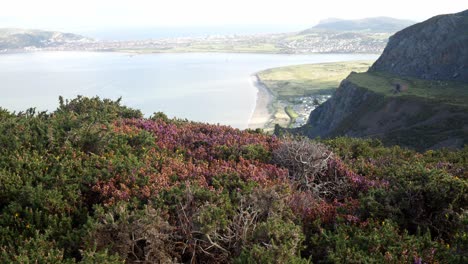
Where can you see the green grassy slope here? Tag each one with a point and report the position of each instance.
(309, 79)
(452, 93)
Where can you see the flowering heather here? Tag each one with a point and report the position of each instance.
(95, 182)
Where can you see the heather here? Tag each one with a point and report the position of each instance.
(96, 182)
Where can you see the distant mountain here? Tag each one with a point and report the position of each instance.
(13, 38)
(373, 24)
(415, 95)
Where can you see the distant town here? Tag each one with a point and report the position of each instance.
(303, 106)
(369, 35)
(325, 42)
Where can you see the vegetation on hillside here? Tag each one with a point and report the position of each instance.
(447, 92)
(309, 79)
(303, 87)
(95, 182)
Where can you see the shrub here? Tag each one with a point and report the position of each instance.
(378, 242)
(418, 197)
(135, 235)
(306, 162)
(94, 107)
(39, 248)
(95, 182)
(274, 241)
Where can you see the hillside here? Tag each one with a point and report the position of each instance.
(95, 182)
(372, 24)
(11, 38)
(436, 49)
(414, 95)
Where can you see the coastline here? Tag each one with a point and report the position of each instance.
(262, 114)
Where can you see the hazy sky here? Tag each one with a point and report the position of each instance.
(91, 14)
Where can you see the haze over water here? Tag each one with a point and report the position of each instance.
(207, 87)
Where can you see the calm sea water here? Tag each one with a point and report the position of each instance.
(207, 87)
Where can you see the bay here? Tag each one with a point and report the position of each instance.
(206, 87)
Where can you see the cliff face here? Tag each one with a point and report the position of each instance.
(436, 49)
(349, 100)
(417, 123)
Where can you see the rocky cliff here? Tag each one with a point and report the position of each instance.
(409, 121)
(415, 95)
(436, 49)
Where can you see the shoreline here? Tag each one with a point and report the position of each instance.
(262, 114)
(164, 51)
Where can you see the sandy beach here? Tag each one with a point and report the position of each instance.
(261, 115)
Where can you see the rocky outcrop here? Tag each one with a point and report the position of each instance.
(436, 49)
(348, 101)
(416, 123)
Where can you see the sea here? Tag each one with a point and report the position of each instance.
(214, 88)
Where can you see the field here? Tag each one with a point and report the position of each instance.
(289, 84)
(309, 79)
(452, 93)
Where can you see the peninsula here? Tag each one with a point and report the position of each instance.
(326, 37)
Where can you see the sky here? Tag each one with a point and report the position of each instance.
(67, 15)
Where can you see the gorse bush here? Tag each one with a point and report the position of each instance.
(95, 182)
(378, 242)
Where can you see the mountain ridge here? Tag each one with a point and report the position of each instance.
(371, 24)
(18, 38)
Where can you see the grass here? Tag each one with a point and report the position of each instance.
(291, 113)
(452, 93)
(288, 83)
(309, 79)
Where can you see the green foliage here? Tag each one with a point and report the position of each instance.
(275, 241)
(248, 152)
(275, 236)
(36, 249)
(93, 182)
(454, 93)
(421, 198)
(424, 191)
(160, 116)
(92, 256)
(4, 114)
(379, 242)
(309, 79)
(135, 234)
(93, 107)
